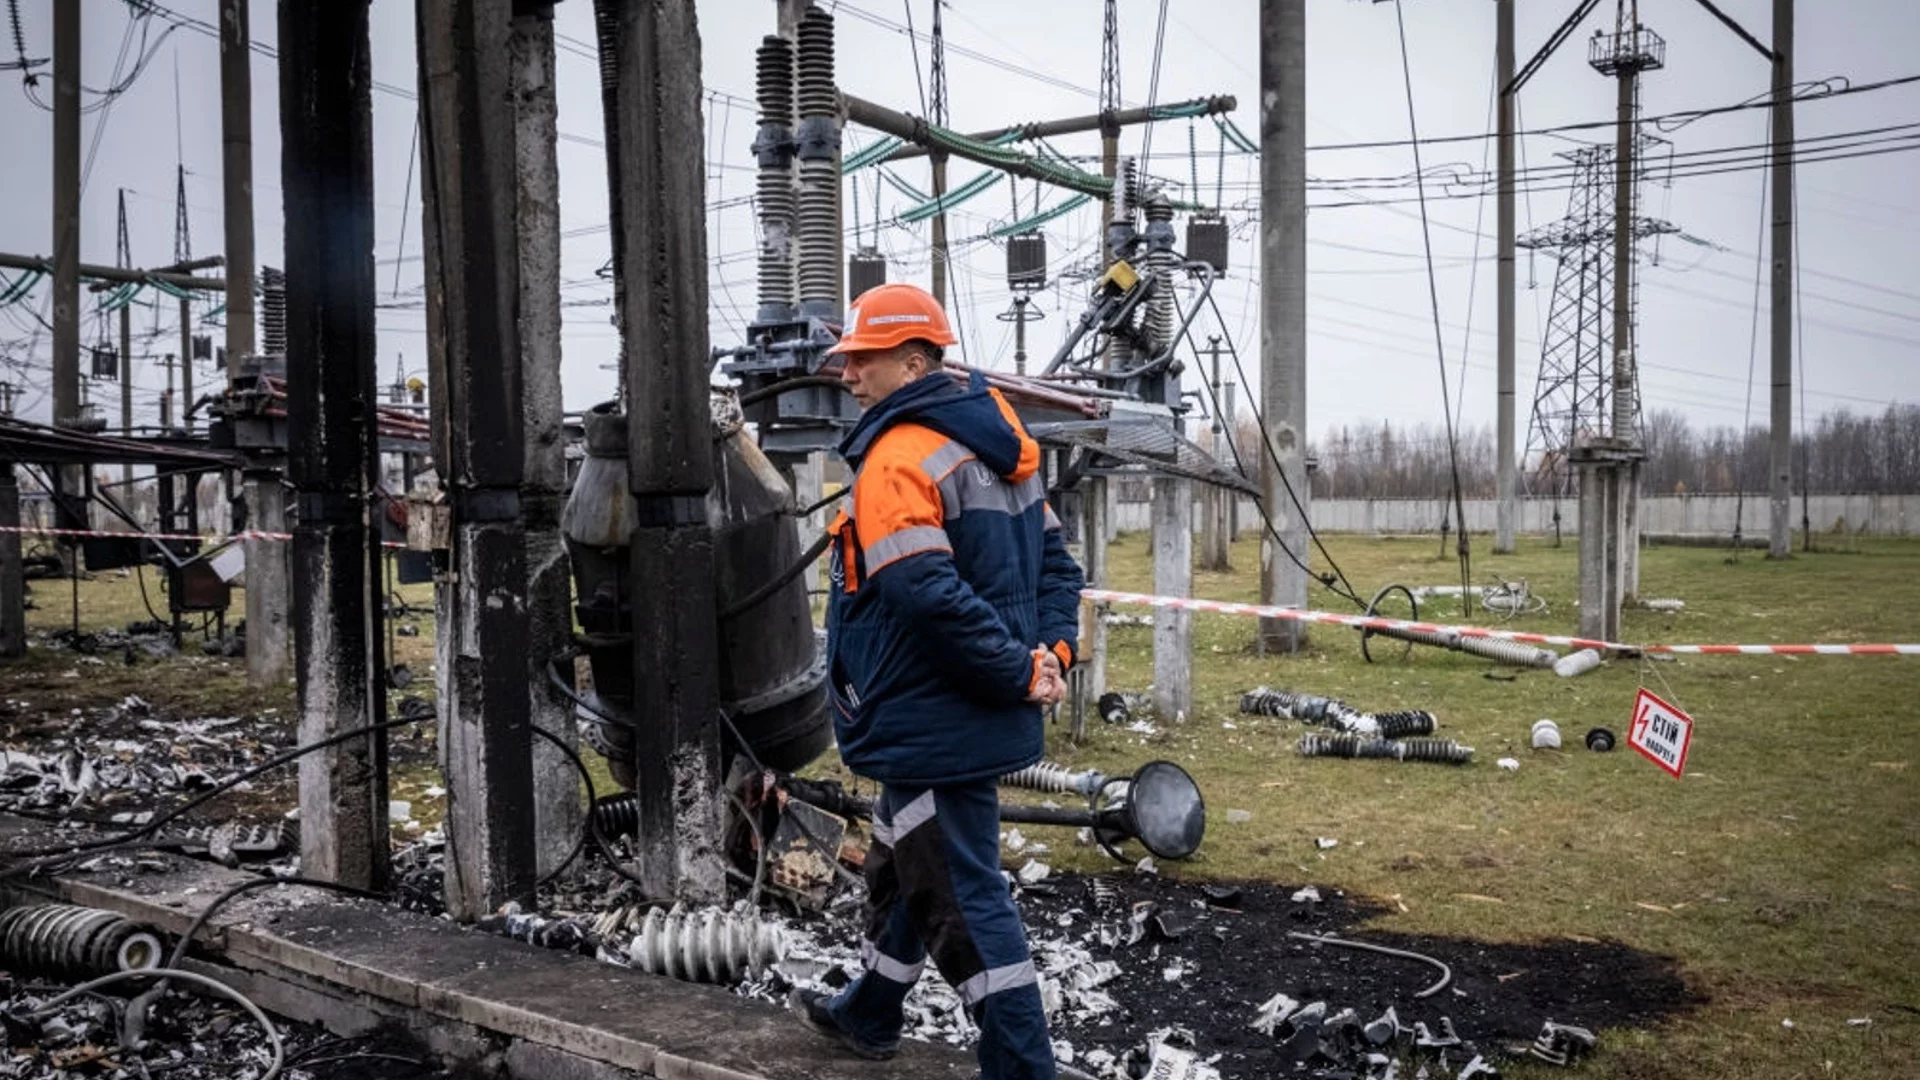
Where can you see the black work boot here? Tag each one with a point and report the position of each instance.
(811, 1007)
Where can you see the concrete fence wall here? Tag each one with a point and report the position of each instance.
(1870, 515)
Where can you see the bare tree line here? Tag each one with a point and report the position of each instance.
(1844, 452)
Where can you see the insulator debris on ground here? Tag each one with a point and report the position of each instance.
(708, 945)
(65, 941)
(1047, 776)
(1441, 751)
(1336, 714)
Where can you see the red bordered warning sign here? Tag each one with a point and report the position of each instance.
(1660, 732)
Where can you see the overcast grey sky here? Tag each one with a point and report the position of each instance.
(1371, 347)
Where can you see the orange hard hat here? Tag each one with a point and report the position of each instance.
(893, 314)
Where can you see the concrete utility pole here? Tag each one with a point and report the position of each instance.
(1214, 538)
(657, 191)
(326, 172)
(473, 331)
(13, 584)
(1506, 481)
(557, 809)
(268, 568)
(236, 143)
(66, 242)
(1780, 442)
(1283, 311)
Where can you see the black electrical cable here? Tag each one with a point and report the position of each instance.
(754, 598)
(1345, 589)
(825, 502)
(832, 857)
(49, 856)
(1464, 546)
(755, 396)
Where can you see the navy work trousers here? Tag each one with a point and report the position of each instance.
(935, 888)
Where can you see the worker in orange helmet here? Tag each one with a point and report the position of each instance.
(952, 621)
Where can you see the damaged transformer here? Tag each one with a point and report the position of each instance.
(772, 665)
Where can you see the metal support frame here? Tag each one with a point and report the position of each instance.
(326, 114)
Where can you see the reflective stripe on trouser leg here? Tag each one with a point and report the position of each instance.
(891, 952)
(948, 869)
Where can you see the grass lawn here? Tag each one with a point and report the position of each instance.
(1781, 872)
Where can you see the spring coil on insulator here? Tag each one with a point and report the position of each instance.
(1442, 751)
(709, 946)
(273, 311)
(1398, 725)
(1341, 716)
(818, 97)
(1049, 777)
(1266, 701)
(617, 815)
(817, 230)
(71, 942)
(1106, 895)
(1509, 652)
(1345, 746)
(773, 80)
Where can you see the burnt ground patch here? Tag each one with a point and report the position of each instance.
(1207, 966)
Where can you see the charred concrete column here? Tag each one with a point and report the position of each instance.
(68, 480)
(651, 55)
(557, 808)
(1780, 292)
(13, 584)
(469, 206)
(326, 172)
(1283, 312)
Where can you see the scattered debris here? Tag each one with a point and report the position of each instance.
(1562, 1044)
(1325, 842)
(1546, 735)
(1509, 764)
(1577, 663)
(1307, 894)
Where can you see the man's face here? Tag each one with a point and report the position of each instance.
(872, 374)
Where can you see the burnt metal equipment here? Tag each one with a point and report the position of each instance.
(1159, 805)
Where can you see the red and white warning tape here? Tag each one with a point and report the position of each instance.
(1361, 622)
(250, 534)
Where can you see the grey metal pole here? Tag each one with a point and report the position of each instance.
(939, 288)
(186, 364)
(474, 336)
(1780, 442)
(326, 115)
(557, 810)
(1283, 309)
(1506, 478)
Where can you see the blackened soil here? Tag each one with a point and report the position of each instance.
(1233, 958)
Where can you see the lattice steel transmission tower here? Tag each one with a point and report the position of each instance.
(1573, 396)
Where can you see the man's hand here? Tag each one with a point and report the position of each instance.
(1049, 686)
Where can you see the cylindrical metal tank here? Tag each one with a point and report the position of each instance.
(772, 670)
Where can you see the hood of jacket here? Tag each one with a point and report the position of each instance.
(974, 416)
